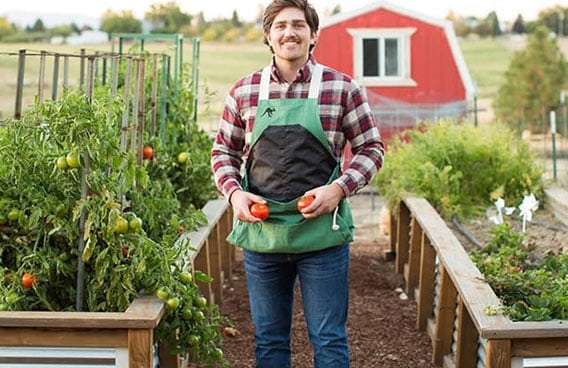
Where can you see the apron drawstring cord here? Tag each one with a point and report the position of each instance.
(334, 225)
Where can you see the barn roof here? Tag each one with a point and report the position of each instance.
(439, 22)
(375, 5)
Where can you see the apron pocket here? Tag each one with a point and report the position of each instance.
(306, 236)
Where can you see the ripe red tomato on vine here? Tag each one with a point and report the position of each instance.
(28, 280)
(260, 211)
(304, 202)
(147, 152)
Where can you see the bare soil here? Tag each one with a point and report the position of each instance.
(381, 324)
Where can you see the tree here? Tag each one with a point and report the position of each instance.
(533, 82)
(6, 29)
(235, 20)
(122, 22)
(38, 26)
(489, 27)
(62, 30)
(518, 25)
(555, 18)
(167, 18)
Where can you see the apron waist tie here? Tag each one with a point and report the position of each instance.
(334, 225)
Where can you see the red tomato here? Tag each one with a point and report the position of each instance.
(304, 202)
(28, 280)
(147, 152)
(260, 211)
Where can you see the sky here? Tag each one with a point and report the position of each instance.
(249, 9)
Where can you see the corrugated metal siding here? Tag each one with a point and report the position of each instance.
(36, 357)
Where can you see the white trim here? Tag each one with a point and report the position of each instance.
(403, 35)
(443, 23)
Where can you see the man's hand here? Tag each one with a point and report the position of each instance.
(241, 202)
(327, 197)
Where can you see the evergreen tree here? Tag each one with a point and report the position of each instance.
(533, 82)
(518, 25)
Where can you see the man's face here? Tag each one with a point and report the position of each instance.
(290, 36)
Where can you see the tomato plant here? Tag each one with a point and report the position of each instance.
(260, 211)
(127, 219)
(304, 202)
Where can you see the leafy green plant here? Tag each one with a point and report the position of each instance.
(530, 289)
(69, 194)
(459, 168)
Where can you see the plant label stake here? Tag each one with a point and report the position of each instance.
(527, 207)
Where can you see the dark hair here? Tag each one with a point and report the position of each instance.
(276, 6)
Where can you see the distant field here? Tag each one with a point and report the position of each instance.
(220, 64)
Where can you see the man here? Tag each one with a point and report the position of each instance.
(290, 122)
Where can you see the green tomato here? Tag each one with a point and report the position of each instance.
(201, 302)
(162, 294)
(217, 354)
(183, 157)
(11, 298)
(135, 224)
(198, 316)
(173, 303)
(14, 214)
(186, 277)
(187, 313)
(193, 340)
(121, 225)
(73, 160)
(61, 163)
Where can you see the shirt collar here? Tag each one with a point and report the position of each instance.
(304, 74)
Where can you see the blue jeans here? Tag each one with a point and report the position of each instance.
(324, 282)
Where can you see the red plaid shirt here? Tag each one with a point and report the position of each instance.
(345, 117)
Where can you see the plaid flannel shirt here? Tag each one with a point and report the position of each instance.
(345, 117)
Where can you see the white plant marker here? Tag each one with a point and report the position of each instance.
(500, 204)
(527, 207)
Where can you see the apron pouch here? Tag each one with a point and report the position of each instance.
(305, 236)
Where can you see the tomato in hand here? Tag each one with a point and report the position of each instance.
(304, 202)
(28, 280)
(147, 152)
(260, 211)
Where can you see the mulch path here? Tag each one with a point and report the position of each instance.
(381, 322)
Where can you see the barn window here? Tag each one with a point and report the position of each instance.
(382, 56)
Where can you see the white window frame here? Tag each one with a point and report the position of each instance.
(403, 36)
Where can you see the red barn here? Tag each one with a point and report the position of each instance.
(410, 64)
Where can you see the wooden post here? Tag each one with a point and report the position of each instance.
(227, 250)
(426, 283)
(20, 84)
(498, 354)
(41, 78)
(202, 263)
(215, 265)
(414, 258)
(445, 316)
(403, 237)
(467, 339)
(55, 79)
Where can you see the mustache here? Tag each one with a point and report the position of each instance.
(291, 39)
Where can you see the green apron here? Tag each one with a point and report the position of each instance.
(290, 154)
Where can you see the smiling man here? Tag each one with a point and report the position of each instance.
(289, 124)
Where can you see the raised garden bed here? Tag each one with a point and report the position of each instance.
(116, 339)
(453, 299)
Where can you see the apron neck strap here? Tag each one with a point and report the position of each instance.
(315, 82)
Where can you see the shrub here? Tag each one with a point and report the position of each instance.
(459, 168)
